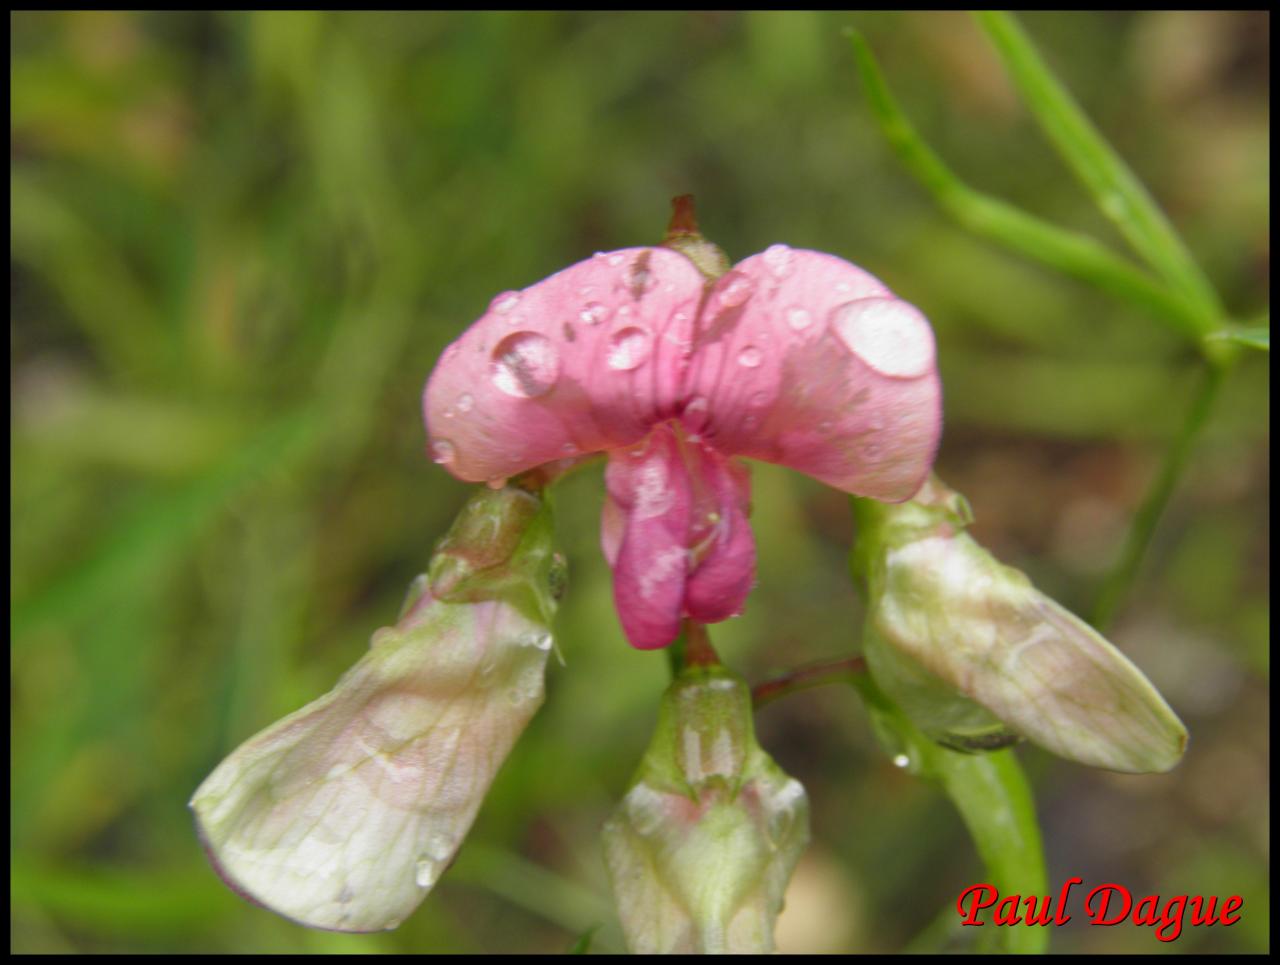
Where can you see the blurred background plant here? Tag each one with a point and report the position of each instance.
(239, 243)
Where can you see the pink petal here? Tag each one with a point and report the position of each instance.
(805, 360)
(650, 485)
(586, 360)
(721, 542)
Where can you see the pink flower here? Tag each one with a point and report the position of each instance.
(793, 357)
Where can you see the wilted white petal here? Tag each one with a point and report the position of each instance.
(344, 814)
(963, 642)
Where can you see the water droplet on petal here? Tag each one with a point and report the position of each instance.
(750, 357)
(615, 260)
(427, 873)
(465, 402)
(539, 640)
(439, 846)
(736, 289)
(628, 349)
(592, 313)
(760, 398)
(443, 452)
(901, 760)
(777, 258)
(569, 449)
(525, 365)
(451, 352)
(496, 482)
(824, 425)
(798, 319)
(505, 303)
(888, 334)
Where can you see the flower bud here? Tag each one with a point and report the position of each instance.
(976, 655)
(344, 814)
(701, 849)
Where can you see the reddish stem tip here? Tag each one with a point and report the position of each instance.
(683, 219)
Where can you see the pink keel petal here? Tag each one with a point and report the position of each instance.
(724, 548)
(651, 487)
(805, 360)
(586, 360)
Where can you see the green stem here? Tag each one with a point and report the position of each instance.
(993, 798)
(1072, 253)
(1115, 188)
(1121, 577)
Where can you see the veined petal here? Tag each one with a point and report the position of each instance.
(802, 359)
(961, 641)
(722, 546)
(650, 485)
(586, 360)
(344, 814)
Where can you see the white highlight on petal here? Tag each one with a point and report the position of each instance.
(888, 334)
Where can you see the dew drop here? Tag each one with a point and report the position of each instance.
(888, 334)
(615, 260)
(465, 402)
(628, 349)
(824, 425)
(539, 640)
(439, 846)
(592, 313)
(759, 398)
(901, 760)
(777, 258)
(443, 452)
(569, 449)
(505, 303)
(496, 482)
(750, 357)
(427, 873)
(798, 319)
(525, 365)
(736, 289)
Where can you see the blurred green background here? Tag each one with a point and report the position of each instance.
(238, 245)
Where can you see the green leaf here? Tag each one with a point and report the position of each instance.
(1072, 253)
(582, 944)
(1254, 337)
(1115, 188)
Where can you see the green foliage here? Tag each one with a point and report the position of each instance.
(239, 242)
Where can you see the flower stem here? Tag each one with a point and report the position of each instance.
(804, 678)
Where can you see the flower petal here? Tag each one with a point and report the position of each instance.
(722, 545)
(650, 485)
(586, 360)
(954, 637)
(805, 360)
(344, 814)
